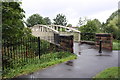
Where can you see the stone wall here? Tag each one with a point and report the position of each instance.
(106, 40)
(66, 42)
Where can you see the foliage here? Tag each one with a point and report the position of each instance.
(90, 27)
(82, 21)
(116, 45)
(114, 14)
(47, 21)
(44, 47)
(60, 20)
(34, 20)
(98, 25)
(23, 49)
(12, 21)
(69, 25)
(45, 61)
(27, 32)
(88, 31)
(113, 28)
(112, 25)
(88, 36)
(108, 73)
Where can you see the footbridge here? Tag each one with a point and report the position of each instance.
(51, 33)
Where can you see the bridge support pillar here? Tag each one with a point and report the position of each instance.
(66, 42)
(56, 38)
(56, 28)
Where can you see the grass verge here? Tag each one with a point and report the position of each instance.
(44, 62)
(108, 73)
(116, 45)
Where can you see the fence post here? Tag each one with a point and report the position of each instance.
(39, 46)
(100, 47)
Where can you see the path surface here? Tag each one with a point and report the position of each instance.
(86, 65)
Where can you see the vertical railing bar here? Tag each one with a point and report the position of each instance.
(36, 39)
(14, 52)
(33, 41)
(35, 50)
(34, 58)
(10, 51)
(27, 49)
(18, 50)
(4, 57)
(3, 52)
(9, 54)
(5, 64)
(16, 59)
(21, 44)
(31, 50)
(29, 53)
(24, 43)
(39, 46)
(24, 48)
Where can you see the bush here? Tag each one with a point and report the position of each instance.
(44, 46)
(116, 45)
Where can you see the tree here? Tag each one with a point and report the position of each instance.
(47, 21)
(113, 28)
(60, 20)
(34, 20)
(12, 20)
(98, 25)
(90, 27)
(112, 25)
(69, 25)
(88, 31)
(82, 21)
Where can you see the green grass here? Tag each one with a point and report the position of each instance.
(45, 61)
(116, 45)
(108, 73)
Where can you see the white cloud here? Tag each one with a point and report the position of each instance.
(73, 9)
(102, 16)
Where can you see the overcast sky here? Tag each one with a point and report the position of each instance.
(73, 9)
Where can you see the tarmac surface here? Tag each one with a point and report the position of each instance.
(87, 65)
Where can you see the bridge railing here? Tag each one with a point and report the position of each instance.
(47, 32)
(44, 32)
(67, 31)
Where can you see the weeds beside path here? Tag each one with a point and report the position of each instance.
(44, 62)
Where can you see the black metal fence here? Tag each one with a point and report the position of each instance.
(28, 50)
(20, 51)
